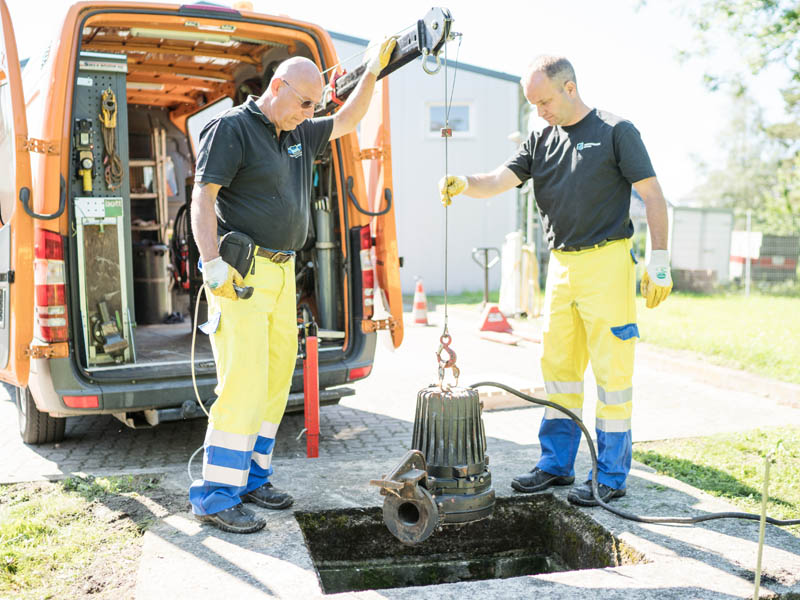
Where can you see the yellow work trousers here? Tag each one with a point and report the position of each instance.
(255, 349)
(589, 314)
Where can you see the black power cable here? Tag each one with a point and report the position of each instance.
(179, 247)
(616, 511)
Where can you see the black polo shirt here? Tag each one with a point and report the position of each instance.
(582, 176)
(266, 181)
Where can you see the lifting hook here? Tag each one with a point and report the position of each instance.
(425, 54)
(450, 362)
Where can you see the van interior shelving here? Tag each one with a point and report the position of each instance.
(178, 73)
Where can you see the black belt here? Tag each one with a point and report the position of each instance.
(579, 248)
(275, 256)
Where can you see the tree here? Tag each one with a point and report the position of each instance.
(767, 32)
(764, 159)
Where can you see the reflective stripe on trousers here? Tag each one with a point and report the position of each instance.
(587, 294)
(255, 349)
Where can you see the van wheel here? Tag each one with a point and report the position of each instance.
(36, 427)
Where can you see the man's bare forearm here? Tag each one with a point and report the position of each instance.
(656, 209)
(486, 185)
(204, 219)
(356, 106)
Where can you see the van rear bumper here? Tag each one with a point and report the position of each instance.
(296, 402)
(52, 379)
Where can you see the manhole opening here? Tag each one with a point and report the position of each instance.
(352, 550)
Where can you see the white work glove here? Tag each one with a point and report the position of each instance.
(450, 186)
(657, 279)
(220, 277)
(377, 56)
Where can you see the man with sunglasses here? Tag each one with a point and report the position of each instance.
(583, 165)
(253, 175)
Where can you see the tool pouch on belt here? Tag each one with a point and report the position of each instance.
(238, 250)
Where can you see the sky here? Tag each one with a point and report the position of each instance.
(625, 59)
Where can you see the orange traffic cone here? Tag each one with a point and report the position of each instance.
(420, 305)
(493, 320)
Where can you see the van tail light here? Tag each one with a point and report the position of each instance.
(82, 401)
(358, 373)
(367, 272)
(51, 290)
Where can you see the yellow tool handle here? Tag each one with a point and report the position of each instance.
(87, 179)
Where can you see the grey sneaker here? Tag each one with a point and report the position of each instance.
(582, 495)
(538, 480)
(236, 519)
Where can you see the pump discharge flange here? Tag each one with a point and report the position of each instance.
(445, 477)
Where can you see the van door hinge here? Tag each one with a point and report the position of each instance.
(368, 325)
(37, 145)
(372, 153)
(60, 350)
(7, 277)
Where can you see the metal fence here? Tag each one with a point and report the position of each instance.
(763, 259)
(712, 250)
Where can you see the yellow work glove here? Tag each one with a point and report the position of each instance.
(450, 186)
(220, 278)
(657, 279)
(378, 55)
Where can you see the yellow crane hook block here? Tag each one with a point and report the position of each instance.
(108, 116)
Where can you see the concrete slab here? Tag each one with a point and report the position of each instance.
(499, 399)
(714, 560)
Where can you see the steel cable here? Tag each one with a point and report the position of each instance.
(448, 103)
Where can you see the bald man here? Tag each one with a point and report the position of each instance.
(253, 176)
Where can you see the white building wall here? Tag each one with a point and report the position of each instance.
(418, 161)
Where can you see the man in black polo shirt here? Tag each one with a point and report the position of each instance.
(253, 175)
(583, 166)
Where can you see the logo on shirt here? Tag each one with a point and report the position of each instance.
(295, 151)
(582, 145)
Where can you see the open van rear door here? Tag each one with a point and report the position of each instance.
(376, 144)
(16, 233)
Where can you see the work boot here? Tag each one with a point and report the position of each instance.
(268, 496)
(236, 519)
(582, 495)
(538, 480)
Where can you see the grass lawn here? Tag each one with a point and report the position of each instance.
(731, 466)
(463, 298)
(74, 538)
(760, 334)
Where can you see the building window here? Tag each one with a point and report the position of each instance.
(460, 119)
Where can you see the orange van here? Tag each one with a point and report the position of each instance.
(97, 266)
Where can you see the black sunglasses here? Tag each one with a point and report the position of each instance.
(304, 104)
